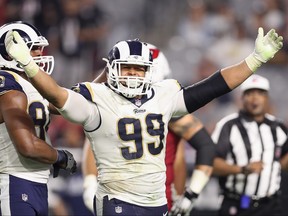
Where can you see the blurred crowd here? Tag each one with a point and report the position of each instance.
(197, 36)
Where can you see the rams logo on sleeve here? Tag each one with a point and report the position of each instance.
(2, 81)
(9, 81)
(82, 89)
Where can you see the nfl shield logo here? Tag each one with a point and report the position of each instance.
(138, 102)
(25, 197)
(118, 209)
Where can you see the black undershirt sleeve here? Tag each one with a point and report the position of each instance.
(204, 146)
(201, 93)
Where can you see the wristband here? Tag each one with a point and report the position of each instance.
(252, 62)
(61, 157)
(31, 69)
(190, 194)
(198, 181)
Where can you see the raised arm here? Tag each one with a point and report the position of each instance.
(265, 49)
(220, 83)
(64, 100)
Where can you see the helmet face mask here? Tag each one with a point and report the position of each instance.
(33, 39)
(46, 63)
(131, 52)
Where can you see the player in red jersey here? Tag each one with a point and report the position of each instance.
(175, 161)
(190, 129)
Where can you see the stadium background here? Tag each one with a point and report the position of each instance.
(197, 36)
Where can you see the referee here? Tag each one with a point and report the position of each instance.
(252, 149)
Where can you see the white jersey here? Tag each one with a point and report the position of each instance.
(130, 140)
(11, 162)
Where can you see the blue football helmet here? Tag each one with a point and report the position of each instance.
(129, 52)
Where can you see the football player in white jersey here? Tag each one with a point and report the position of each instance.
(25, 153)
(187, 127)
(126, 119)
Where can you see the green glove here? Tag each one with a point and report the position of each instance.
(18, 50)
(265, 48)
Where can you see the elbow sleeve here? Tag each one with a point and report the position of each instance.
(204, 146)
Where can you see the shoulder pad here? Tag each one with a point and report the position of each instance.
(83, 89)
(9, 82)
(170, 83)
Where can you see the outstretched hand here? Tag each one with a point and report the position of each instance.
(19, 51)
(266, 46)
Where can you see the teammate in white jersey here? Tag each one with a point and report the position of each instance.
(25, 150)
(126, 120)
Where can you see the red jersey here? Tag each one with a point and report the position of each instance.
(171, 148)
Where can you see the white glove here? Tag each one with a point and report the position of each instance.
(184, 204)
(90, 187)
(19, 51)
(265, 48)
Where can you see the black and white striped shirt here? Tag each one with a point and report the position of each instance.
(240, 141)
